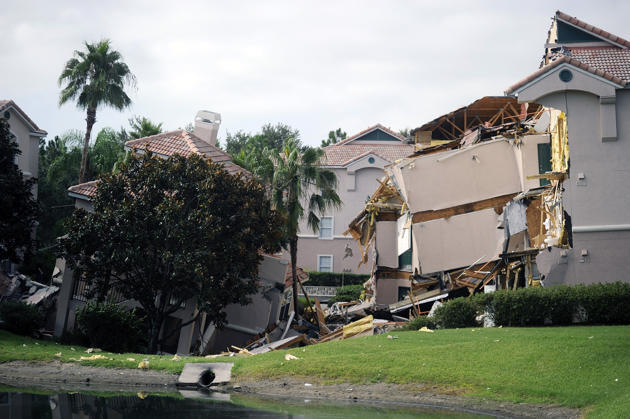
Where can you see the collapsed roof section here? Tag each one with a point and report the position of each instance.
(470, 212)
(484, 113)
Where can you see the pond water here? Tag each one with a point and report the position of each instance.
(192, 404)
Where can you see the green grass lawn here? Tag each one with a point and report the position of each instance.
(584, 367)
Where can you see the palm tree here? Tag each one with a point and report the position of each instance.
(296, 178)
(143, 127)
(95, 77)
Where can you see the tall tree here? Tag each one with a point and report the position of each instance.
(95, 77)
(143, 127)
(18, 208)
(334, 137)
(164, 231)
(296, 179)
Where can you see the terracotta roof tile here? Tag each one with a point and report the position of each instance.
(6, 104)
(568, 60)
(169, 144)
(185, 143)
(87, 189)
(347, 153)
(611, 60)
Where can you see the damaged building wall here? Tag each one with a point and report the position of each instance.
(459, 241)
(386, 236)
(597, 195)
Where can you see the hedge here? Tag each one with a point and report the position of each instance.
(333, 279)
(20, 318)
(111, 327)
(347, 293)
(558, 305)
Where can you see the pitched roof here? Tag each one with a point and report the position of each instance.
(594, 30)
(369, 130)
(562, 60)
(346, 151)
(169, 144)
(7, 104)
(610, 61)
(185, 143)
(86, 189)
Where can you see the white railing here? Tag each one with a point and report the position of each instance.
(318, 291)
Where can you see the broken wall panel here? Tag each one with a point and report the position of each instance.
(459, 241)
(448, 179)
(385, 240)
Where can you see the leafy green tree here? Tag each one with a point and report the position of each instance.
(270, 136)
(334, 137)
(95, 77)
(248, 150)
(296, 177)
(18, 208)
(108, 150)
(143, 127)
(165, 231)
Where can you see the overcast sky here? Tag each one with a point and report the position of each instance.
(315, 65)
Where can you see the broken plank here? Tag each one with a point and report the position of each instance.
(422, 216)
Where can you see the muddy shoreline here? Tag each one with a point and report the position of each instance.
(57, 376)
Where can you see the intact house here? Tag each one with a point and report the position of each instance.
(27, 135)
(358, 163)
(243, 322)
(501, 204)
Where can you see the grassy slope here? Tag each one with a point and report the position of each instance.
(572, 366)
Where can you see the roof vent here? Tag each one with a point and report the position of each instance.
(207, 126)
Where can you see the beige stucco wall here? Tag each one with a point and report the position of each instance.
(599, 205)
(28, 161)
(354, 189)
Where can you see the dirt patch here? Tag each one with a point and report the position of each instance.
(399, 395)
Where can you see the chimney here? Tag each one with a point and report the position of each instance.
(207, 125)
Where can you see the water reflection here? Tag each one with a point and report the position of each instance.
(20, 405)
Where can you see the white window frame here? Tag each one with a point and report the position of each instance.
(332, 263)
(332, 228)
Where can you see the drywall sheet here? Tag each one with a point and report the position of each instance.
(458, 241)
(386, 237)
(471, 174)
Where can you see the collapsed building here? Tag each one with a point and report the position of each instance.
(490, 198)
(467, 212)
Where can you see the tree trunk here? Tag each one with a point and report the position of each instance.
(90, 120)
(154, 334)
(293, 251)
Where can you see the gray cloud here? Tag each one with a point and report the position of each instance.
(314, 65)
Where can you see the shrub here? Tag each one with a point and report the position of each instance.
(110, 327)
(347, 293)
(20, 318)
(558, 305)
(334, 279)
(605, 303)
(460, 312)
(420, 322)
